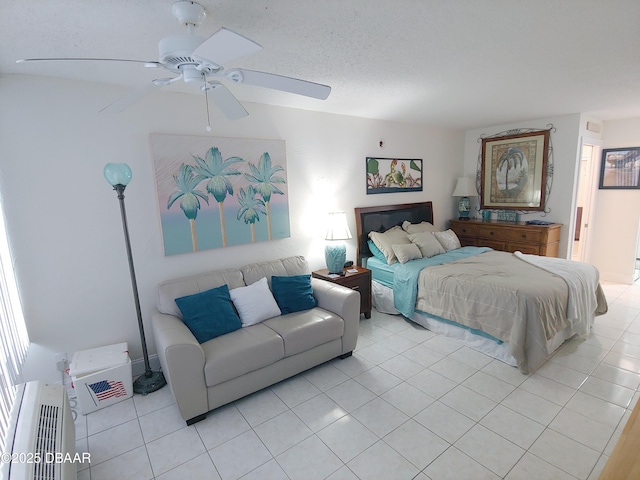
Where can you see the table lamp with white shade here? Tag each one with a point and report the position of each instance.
(465, 188)
(335, 252)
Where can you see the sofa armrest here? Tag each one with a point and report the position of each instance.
(182, 360)
(345, 303)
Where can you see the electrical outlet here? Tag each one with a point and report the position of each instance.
(61, 361)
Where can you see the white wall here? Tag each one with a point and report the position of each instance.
(64, 221)
(566, 142)
(617, 212)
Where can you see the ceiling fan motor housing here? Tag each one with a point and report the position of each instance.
(175, 51)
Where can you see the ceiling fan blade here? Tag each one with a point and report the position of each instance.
(136, 95)
(279, 82)
(75, 59)
(225, 101)
(224, 46)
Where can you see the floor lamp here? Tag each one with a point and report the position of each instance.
(119, 175)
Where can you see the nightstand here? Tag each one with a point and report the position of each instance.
(359, 280)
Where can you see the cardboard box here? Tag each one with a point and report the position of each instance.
(101, 376)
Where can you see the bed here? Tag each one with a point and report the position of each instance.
(514, 307)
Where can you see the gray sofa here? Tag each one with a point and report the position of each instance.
(205, 376)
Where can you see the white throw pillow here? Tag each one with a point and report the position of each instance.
(406, 252)
(385, 242)
(254, 302)
(418, 227)
(448, 239)
(427, 243)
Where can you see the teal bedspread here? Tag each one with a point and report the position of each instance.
(405, 279)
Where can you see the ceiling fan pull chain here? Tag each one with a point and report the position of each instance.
(206, 100)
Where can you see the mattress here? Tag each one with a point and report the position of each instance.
(380, 271)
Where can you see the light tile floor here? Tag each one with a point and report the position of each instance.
(408, 404)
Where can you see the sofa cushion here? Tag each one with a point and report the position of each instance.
(241, 352)
(180, 287)
(301, 331)
(254, 303)
(209, 314)
(293, 293)
(284, 266)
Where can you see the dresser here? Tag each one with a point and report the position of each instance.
(509, 236)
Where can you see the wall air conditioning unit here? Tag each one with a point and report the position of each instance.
(41, 437)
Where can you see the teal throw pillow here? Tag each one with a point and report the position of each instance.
(209, 314)
(293, 293)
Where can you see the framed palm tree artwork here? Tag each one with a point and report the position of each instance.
(513, 172)
(216, 192)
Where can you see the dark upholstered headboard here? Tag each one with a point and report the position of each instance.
(382, 218)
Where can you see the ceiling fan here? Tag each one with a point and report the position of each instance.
(201, 61)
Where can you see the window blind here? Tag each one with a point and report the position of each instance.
(14, 340)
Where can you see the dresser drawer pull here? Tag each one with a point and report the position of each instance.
(524, 235)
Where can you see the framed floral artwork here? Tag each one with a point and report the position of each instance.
(390, 175)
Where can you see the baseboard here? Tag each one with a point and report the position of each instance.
(616, 277)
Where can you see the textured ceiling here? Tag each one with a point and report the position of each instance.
(454, 63)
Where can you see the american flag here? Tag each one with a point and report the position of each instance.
(107, 389)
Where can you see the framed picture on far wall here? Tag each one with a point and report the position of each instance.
(514, 169)
(620, 168)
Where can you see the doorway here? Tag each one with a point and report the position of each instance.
(589, 155)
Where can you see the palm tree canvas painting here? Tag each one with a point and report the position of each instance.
(216, 192)
(513, 171)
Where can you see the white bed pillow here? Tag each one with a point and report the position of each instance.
(411, 228)
(407, 252)
(385, 242)
(427, 243)
(255, 302)
(448, 239)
